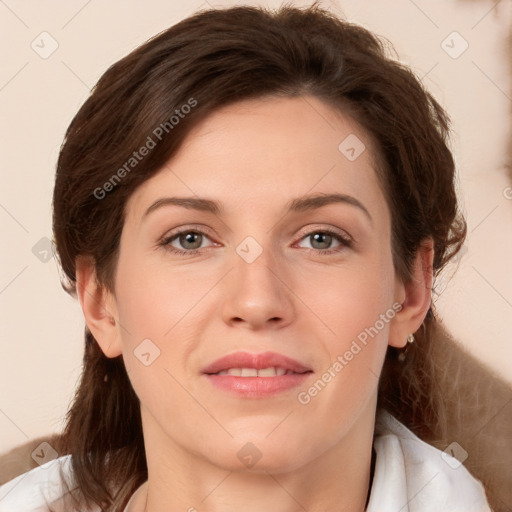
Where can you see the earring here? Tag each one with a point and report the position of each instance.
(403, 354)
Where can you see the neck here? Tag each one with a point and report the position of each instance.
(336, 480)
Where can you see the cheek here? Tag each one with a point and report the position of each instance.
(151, 299)
(150, 308)
(348, 299)
(161, 315)
(354, 308)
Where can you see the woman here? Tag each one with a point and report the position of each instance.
(283, 360)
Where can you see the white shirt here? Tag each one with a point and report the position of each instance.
(410, 476)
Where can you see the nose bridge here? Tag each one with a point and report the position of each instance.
(256, 291)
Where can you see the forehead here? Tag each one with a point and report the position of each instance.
(266, 151)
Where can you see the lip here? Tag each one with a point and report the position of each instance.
(258, 361)
(256, 387)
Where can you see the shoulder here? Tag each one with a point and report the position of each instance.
(38, 489)
(413, 476)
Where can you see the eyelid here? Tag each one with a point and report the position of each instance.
(197, 228)
(319, 228)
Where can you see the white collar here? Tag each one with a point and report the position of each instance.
(413, 476)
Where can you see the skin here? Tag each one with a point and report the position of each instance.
(254, 157)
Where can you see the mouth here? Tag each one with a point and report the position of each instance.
(244, 364)
(271, 371)
(256, 375)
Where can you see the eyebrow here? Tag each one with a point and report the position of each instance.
(299, 204)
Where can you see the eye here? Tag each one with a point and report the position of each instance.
(322, 241)
(191, 241)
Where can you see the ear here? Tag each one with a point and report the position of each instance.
(99, 307)
(414, 296)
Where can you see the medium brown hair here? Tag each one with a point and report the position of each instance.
(218, 57)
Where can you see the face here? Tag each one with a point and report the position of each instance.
(255, 261)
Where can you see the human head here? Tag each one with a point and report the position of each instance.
(215, 59)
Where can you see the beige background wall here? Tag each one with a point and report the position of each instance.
(41, 327)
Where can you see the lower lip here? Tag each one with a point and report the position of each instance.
(257, 387)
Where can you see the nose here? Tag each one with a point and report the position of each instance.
(258, 294)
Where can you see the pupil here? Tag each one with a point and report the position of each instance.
(191, 238)
(322, 238)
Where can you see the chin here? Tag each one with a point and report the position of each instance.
(258, 452)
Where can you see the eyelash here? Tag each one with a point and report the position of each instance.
(345, 241)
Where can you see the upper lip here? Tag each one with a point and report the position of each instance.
(258, 361)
